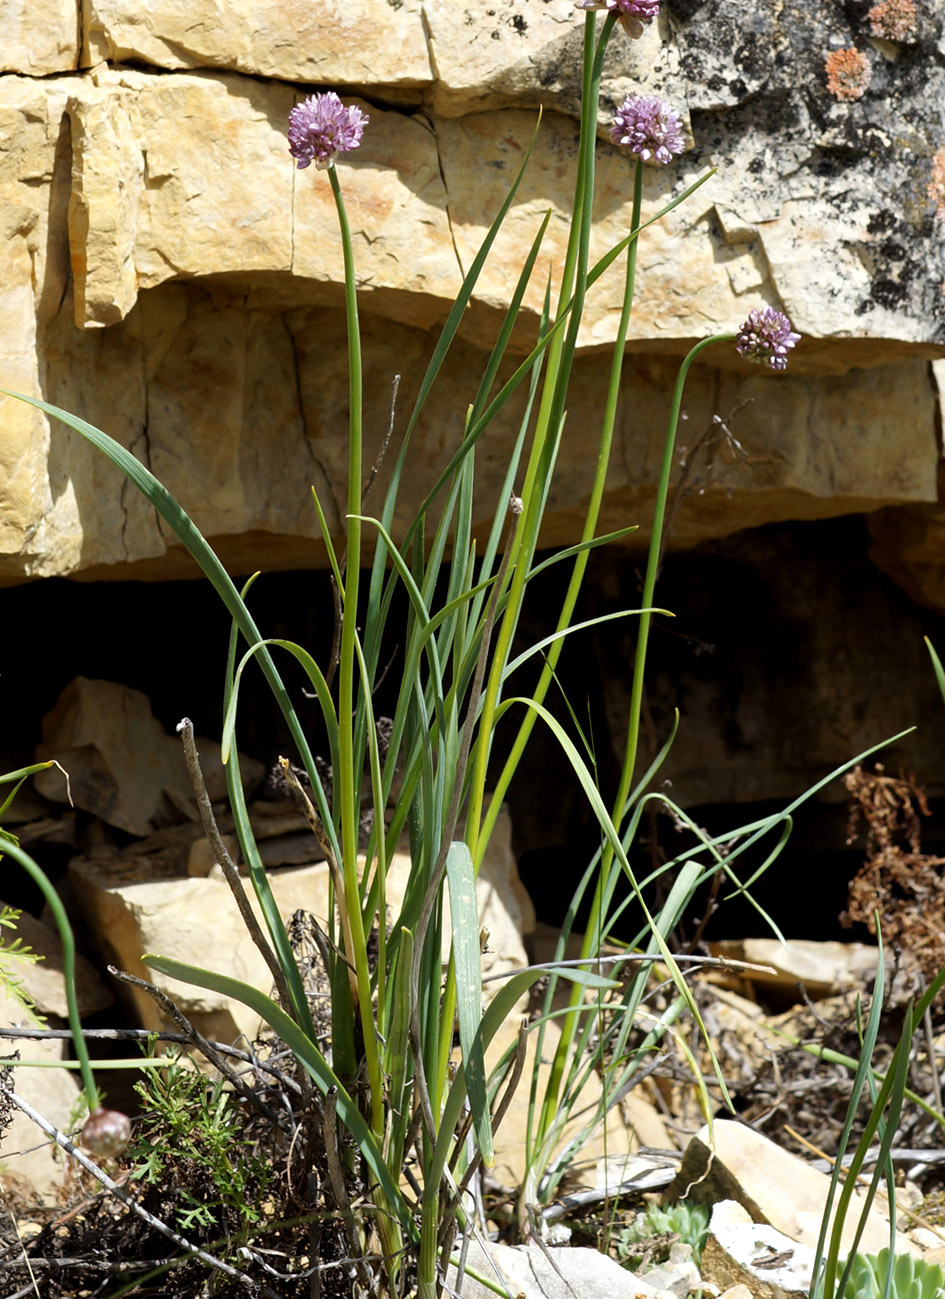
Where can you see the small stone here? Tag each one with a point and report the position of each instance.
(741, 1252)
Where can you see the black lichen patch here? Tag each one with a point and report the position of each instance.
(890, 294)
(881, 221)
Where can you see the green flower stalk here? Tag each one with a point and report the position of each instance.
(105, 1132)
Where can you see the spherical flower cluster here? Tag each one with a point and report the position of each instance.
(106, 1132)
(634, 14)
(848, 74)
(937, 183)
(893, 20)
(321, 127)
(648, 127)
(765, 338)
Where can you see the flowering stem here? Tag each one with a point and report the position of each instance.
(348, 786)
(569, 1026)
(546, 441)
(649, 581)
(54, 902)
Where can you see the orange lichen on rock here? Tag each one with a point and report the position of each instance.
(848, 74)
(893, 20)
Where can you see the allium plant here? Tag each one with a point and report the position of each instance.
(893, 20)
(392, 1080)
(849, 73)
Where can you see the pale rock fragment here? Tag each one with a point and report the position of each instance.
(25, 1152)
(776, 1189)
(741, 1252)
(121, 763)
(142, 901)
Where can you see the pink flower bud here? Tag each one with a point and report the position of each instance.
(106, 1132)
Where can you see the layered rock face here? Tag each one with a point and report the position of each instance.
(168, 275)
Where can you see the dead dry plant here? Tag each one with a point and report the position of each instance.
(897, 881)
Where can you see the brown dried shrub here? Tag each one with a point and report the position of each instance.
(897, 880)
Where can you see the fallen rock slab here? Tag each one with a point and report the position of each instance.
(822, 969)
(26, 1154)
(121, 763)
(144, 900)
(733, 1162)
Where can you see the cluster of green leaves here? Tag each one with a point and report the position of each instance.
(191, 1136)
(14, 952)
(685, 1220)
(888, 1276)
(393, 1017)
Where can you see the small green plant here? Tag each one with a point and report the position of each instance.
(191, 1137)
(686, 1221)
(14, 952)
(912, 1278)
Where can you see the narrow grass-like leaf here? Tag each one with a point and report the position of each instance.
(862, 1069)
(397, 1041)
(580, 547)
(891, 1095)
(22, 772)
(568, 631)
(329, 545)
(315, 676)
(936, 665)
(20, 776)
(607, 826)
(464, 915)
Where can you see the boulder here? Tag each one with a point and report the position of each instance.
(44, 981)
(117, 761)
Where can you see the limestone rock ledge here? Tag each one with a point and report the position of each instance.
(170, 276)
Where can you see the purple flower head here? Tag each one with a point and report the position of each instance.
(321, 127)
(634, 14)
(648, 127)
(765, 338)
